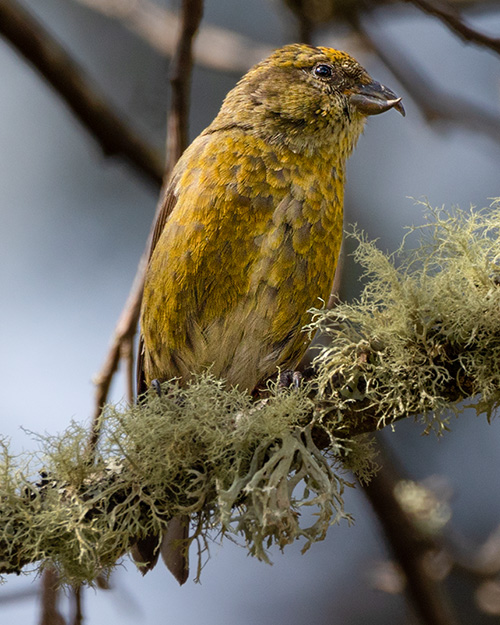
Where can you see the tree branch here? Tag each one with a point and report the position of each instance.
(241, 470)
(122, 342)
(436, 105)
(452, 18)
(180, 80)
(78, 609)
(50, 614)
(409, 546)
(68, 79)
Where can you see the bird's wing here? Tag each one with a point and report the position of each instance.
(165, 209)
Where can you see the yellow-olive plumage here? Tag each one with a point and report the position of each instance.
(253, 238)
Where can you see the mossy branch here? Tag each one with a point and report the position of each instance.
(424, 335)
(425, 332)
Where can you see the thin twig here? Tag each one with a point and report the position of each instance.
(122, 342)
(452, 18)
(409, 547)
(50, 615)
(180, 80)
(77, 596)
(304, 23)
(68, 79)
(124, 334)
(436, 105)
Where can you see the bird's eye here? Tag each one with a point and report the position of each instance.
(323, 71)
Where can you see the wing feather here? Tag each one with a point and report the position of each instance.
(165, 208)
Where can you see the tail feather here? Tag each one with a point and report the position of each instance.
(145, 553)
(174, 548)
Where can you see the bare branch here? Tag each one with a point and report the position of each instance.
(77, 596)
(123, 335)
(303, 12)
(436, 105)
(180, 79)
(50, 614)
(409, 546)
(68, 79)
(452, 18)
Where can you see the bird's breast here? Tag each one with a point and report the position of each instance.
(250, 247)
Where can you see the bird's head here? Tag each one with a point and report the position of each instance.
(304, 93)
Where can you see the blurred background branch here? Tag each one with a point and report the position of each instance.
(410, 547)
(448, 14)
(62, 72)
(215, 48)
(436, 105)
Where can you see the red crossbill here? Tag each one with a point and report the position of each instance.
(249, 235)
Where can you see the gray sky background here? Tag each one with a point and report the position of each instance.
(73, 226)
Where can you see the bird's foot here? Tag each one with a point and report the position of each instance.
(157, 387)
(288, 379)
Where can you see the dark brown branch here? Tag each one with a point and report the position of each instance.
(68, 79)
(50, 614)
(436, 105)
(480, 562)
(123, 335)
(452, 18)
(304, 26)
(409, 547)
(77, 597)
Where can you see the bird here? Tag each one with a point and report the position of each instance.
(248, 236)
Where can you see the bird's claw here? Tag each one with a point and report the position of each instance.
(289, 379)
(157, 387)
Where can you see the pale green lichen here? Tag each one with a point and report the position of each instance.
(426, 323)
(244, 467)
